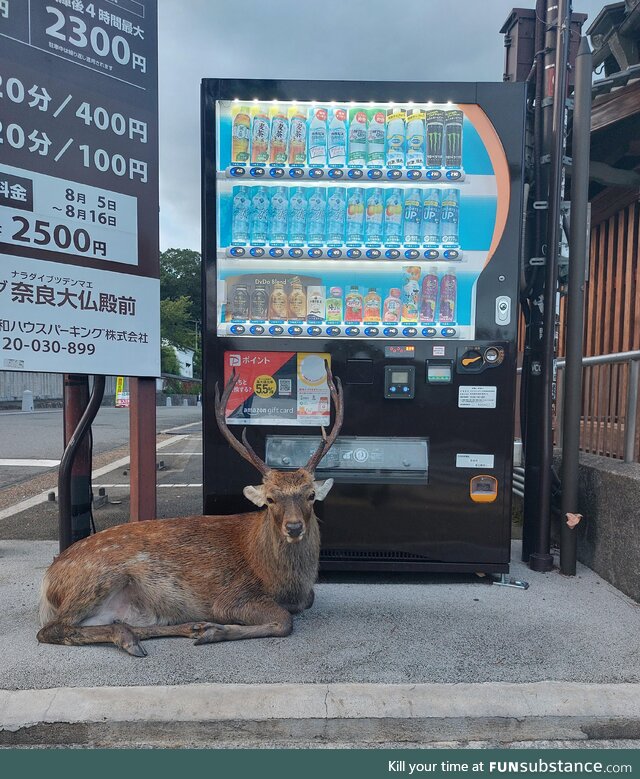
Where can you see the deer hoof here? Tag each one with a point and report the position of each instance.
(212, 635)
(135, 649)
(199, 628)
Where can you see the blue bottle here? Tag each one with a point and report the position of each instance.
(259, 218)
(316, 216)
(336, 215)
(355, 216)
(297, 216)
(373, 215)
(431, 216)
(412, 214)
(450, 216)
(278, 216)
(393, 217)
(240, 215)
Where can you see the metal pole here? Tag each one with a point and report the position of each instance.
(572, 389)
(540, 558)
(75, 400)
(632, 412)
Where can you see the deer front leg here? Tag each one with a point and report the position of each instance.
(118, 634)
(254, 620)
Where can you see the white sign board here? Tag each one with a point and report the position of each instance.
(477, 397)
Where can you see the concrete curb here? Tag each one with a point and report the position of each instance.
(294, 713)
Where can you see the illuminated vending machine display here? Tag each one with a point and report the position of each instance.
(375, 226)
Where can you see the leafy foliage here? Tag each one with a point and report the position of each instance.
(181, 301)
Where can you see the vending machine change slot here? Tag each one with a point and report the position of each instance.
(399, 382)
(483, 489)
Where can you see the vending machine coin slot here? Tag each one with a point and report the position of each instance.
(399, 382)
(439, 371)
(483, 489)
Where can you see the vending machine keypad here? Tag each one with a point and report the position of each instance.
(399, 382)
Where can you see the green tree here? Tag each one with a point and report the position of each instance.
(176, 326)
(180, 277)
(168, 360)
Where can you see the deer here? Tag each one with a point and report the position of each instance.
(210, 578)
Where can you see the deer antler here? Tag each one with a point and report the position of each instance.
(244, 449)
(328, 440)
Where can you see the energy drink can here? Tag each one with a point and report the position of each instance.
(412, 208)
(448, 297)
(431, 208)
(453, 139)
(429, 298)
(435, 135)
(450, 216)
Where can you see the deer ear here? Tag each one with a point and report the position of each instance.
(322, 488)
(255, 494)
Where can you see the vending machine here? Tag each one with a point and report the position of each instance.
(375, 227)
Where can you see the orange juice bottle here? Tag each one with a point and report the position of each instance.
(240, 134)
(372, 304)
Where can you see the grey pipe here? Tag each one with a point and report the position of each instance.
(632, 412)
(572, 400)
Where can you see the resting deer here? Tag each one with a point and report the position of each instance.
(212, 578)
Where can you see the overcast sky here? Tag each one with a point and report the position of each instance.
(412, 40)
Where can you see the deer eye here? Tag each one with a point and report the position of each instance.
(270, 500)
(312, 496)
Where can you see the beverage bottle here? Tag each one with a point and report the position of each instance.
(410, 293)
(240, 215)
(412, 214)
(431, 215)
(260, 132)
(372, 304)
(318, 137)
(415, 139)
(336, 215)
(337, 146)
(297, 301)
(259, 216)
(448, 297)
(259, 304)
(240, 134)
(334, 305)
(316, 215)
(453, 139)
(353, 305)
(375, 138)
(435, 135)
(315, 304)
(373, 219)
(450, 216)
(355, 215)
(278, 302)
(357, 137)
(393, 217)
(278, 216)
(240, 302)
(297, 135)
(392, 306)
(429, 298)
(297, 216)
(279, 136)
(395, 137)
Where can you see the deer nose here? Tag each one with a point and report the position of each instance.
(294, 529)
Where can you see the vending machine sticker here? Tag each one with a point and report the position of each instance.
(474, 461)
(278, 388)
(477, 397)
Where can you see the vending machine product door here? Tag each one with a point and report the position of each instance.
(373, 227)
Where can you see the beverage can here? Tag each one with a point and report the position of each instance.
(374, 212)
(412, 214)
(318, 137)
(240, 215)
(316, 216)
(297, 216)
(260, 132)
(453, 139)
(375, 137)
(278, 216)
(259, 306)
(240, 134)
(435, 136)
(259, 216)
(393, 217)
(297, 135)
(429, 298)
(395, 137)
(415, 138)
(336, 215)
(240, 302)
(450, 216)
(334, 305)
(279, 138)
(431, 215)
(357, 138)
(448, 297)
(315, 304)
(355, 215)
